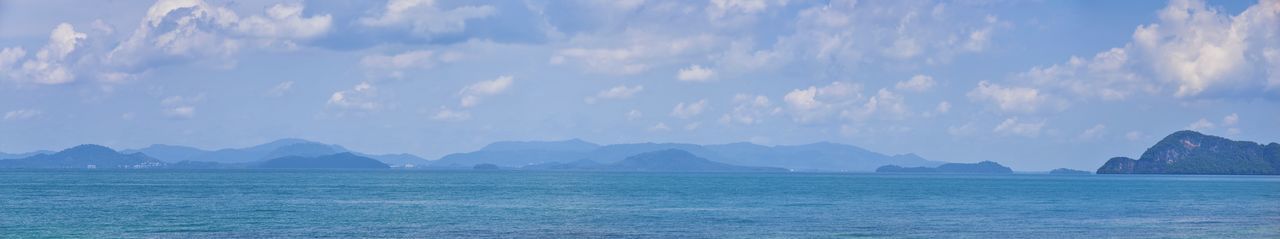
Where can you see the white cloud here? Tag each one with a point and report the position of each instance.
(394, 65)
(659, 127)
(1095, 132)
(360, 97)
(750, 110)
(10, 56)
(285, 21)
(49, 66)
(181, 112)
(917, 83)
(685, 111)
(819, 103)
(634, 115)
(943, 107)
(446, 114)
(22, 114)
(633, 51)
(193, 30)
(1200, 125)
(425, 19)
(1009, 99)
(1106, 76)
(1193, 48)
(281, 89)
(719, 8)
(695, 73)
(472, 94)
(1230, 119)
(617, 92)
(181, 107)
(884, 104)
(1012, 126)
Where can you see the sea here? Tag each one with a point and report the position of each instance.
(523, 204)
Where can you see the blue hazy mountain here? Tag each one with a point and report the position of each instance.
(666, 160)
(84, 156)
(520, 153)
(985, 167)
(1190, 152)
(333, 161)
(674, 160)
(572, 145)
(816, 156)
(1068, 171)
(4, 155)
(270, 150)
(809, 157)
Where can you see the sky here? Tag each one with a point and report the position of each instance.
(1034, 85)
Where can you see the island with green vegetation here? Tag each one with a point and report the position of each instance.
(1190, 152)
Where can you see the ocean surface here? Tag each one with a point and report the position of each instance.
(514, 204)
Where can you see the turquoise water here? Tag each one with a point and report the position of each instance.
(186, 204)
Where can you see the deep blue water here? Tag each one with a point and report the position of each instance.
(256, 204)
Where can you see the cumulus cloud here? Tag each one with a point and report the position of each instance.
(1013, 126)
(1107, 76)
(1009, 99)
(22, 114)
(472, 94)
(193, 30)
(719, 8)
(424, 18)
(750, 109)
(884, 103)
(360, 97)
(695, 73)
(687, 110)
(1192, 49)
(284, 21)
(49, 66)
(917, 83)
(617, 92)
(1198, 47)
(631, 52)
(818, 103)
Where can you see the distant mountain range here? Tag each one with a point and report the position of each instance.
(99, 157)
(4, 155)
(531, 155)
(270, 150)
(667, 160)
(809, 157)
(984, 167)
(1190, 152)
(84, 156)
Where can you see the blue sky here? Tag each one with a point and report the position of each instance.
(1032, 84)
